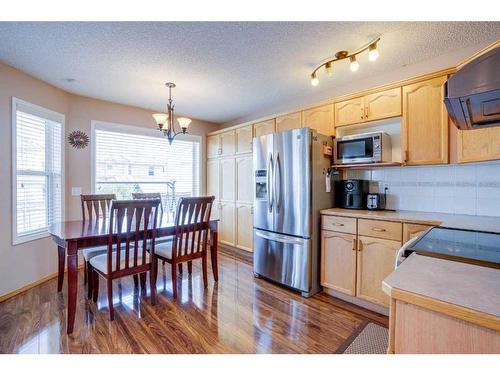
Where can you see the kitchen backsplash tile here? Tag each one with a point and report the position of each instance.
(471, 189)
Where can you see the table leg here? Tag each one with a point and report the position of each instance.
(213, 254)
(61, 254)
(72, 251)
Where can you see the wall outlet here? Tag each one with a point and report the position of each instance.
(76, 191)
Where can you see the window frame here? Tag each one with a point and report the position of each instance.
(49, 115)
(139, 130)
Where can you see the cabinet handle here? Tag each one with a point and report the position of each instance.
(406, 156)
(353, 244)
(360, 247)
(338, 224)
(366, 112)
(375, 229)
(362, 113)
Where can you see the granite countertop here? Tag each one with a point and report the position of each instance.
(465, 285)
(484, 223)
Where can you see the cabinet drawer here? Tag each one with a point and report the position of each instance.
(339, 224)
(380, 229)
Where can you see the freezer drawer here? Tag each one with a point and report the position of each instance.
(284, 259)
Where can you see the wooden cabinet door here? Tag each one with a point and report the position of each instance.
(319, 119)
(244, 227)
(413, 230)
(213, 178)
(383, 104)
(478, 145)
(227, 223)
(228, 143)
(244, 179)
(244, 139)
(424, 138)
(264, 127)
(289, 121)
(227, 179)
(338, 261)
(213, 147)
(375, 261)
(349, 112)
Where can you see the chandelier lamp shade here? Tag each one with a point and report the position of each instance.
(373, 55)
(165, 121)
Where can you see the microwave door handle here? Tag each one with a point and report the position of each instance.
(269, 185)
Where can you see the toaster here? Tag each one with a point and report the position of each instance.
(375, 201)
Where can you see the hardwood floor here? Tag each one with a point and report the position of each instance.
(239, 314)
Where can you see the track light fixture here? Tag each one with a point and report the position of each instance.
(373, 54)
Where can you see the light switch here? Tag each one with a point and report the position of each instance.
(76, 191)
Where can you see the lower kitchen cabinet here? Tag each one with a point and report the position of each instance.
(338, 265)
(411, 230)
(375, 261)
(227, 225)
(244, 227)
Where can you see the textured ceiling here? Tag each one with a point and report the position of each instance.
(222, 70)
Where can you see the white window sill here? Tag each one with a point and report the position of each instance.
(29, 237)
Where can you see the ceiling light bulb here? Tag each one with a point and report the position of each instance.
(328, 68)
(314, 79)
(184, 123)
(373, 52)
(354, 64)
(160, 118)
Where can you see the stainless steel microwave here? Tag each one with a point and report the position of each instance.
(372, 147)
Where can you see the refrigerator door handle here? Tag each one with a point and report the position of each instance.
(270, 173)
(279, 238)
(277, 184)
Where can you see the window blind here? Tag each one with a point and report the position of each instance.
(127, 162)
(38, 171)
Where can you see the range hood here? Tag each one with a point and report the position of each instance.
(472, 95)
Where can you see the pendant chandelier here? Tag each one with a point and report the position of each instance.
(341, 55)
(165, 121)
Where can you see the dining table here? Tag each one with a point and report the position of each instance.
(73, 236)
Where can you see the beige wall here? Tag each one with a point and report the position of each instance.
(31, 261)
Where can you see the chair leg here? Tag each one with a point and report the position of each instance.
(180, 268)
(155, 269)
(110, 299)
(136, 281)
(85, 268)
(90, 279)
(142, 277)
(152, 282)
(205, 269)
(95, 286)
(174, 280)
(190, 267)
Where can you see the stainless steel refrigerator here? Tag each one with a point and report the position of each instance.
(290, 188)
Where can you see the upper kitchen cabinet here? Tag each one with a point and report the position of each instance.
(383, 104)
(213, 147)
(289, 121)
(425, 123)
(264, 127)
(319, 119)
(478, 145)
(228, 143)
(349, 112)
(244, 139)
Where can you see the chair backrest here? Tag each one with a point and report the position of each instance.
(149, 196)
(191, 226)
(129, 223)
(96, 205)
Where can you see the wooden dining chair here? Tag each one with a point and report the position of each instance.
(190, 238)
(94, 207)
(128, 244)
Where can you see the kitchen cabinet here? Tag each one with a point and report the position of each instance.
(244, 227)
(411, 230)
(228, 143)
(227, 179)
(338, 261)
(478, 145)
(244, 179)
(227, 223)
(319, 119)
(213, 176)
(289, 121)
(264, 127)
(244, 137)
(375, 261)
(388, 230)
(213, 147)
(349, 112)
(424, 138)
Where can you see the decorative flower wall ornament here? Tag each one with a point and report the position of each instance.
(78, 139)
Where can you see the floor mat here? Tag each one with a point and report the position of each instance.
(373, 339)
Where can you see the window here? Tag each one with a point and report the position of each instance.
(37, 160)
(143, 161)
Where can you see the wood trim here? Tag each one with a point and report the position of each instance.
(392, 326)
(459, 312)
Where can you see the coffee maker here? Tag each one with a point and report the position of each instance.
(351, 194)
